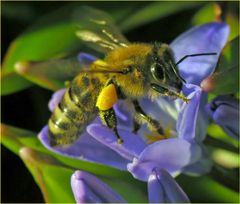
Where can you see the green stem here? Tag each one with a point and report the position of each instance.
(227, 177)
(220, 144)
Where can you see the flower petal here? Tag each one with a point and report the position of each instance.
(228, 118)
(86, 59)
(82, 193)
(88, 149)
(131, 147)
(187, 118)
(124, 115)
(206, 38)
(163, 110)
(173, 192)
(155, 189)
(202, 166)
(88, 188)
(202, 119)
(56, 98)
(170, 154)
(224, 111)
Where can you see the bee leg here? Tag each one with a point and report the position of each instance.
(109, 118)
(105, 101)
(154, 124)
(136, 126)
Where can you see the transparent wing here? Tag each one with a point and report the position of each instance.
(51, 74)
(97, 29)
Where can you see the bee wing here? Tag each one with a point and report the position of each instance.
(97, 29)
(51, 74)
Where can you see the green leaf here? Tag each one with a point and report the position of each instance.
(218, 143)
(225, 79)
(205, 190)
(214, 11)
(57, 181)
(154, 11)
(132, 190)
(15, 138)
(206, 14)
(52, 178)
(226, 176)
(233, 21)
(225, 158)
(230, 55)
(12, 82)
(216, 132)
(50, 37)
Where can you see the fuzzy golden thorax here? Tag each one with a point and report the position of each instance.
(151, 70)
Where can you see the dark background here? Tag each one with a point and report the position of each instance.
(28, 108)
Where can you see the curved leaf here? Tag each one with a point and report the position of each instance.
(205, 190)
(154, 11)
(50, 37)
(210, 12)
(15, 139)
(46, 172)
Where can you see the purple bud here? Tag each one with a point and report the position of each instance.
(89, 189)
(224, 110)
(163, 188)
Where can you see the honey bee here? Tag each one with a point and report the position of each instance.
(129, 71)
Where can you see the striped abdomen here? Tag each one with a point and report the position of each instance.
(75, 111)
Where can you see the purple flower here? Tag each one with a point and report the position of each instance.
(210, 37)
(185, 124)
(89, 189)
(224, 110)
(163, 188)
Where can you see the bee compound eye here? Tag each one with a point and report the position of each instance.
(157, 71)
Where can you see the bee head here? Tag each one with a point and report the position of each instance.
(163, 70)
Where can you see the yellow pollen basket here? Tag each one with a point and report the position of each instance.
(151, 138)
(107, 98)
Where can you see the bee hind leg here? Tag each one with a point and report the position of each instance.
(152, 123)
(109, 118)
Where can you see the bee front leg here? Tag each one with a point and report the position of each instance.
(152, 123)
(106, 99)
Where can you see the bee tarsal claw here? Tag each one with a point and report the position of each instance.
(120, 141)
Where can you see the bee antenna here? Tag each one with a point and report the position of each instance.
(195, 55)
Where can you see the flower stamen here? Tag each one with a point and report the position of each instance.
(151, 138)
